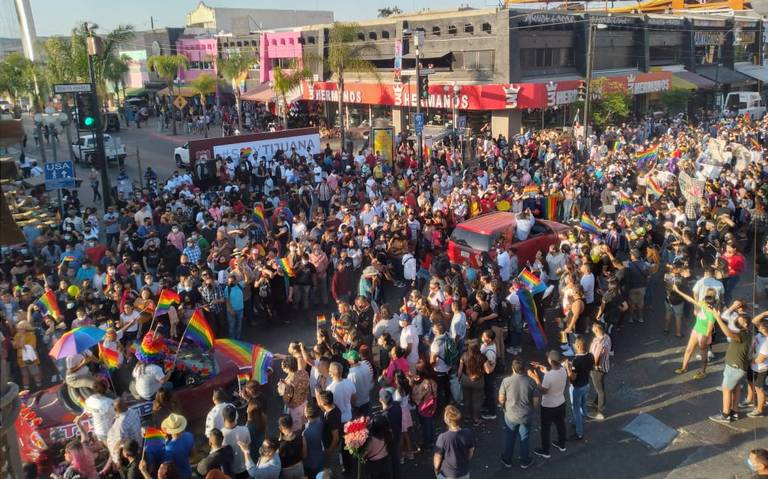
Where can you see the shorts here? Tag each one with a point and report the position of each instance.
(702, 339)
(636, 297)
(675, 310)
(757, 378)
(732, 376)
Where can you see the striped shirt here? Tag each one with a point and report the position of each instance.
(601, 351)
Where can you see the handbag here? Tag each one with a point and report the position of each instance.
(428, 407)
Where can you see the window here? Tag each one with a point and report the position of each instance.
(301, 40)
(361, 36)
(282, 41)
(468, 28)
(452, 29)
(385, 35)
(372, 36)
(436, 30)
(486, 27)
(239, 44)
(546, 57)
(311, 40)
(478, 60)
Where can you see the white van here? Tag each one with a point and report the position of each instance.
(742, 102)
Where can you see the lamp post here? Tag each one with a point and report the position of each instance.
(454, 91)
(418, 39)
(590, 64)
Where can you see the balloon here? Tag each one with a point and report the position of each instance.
(73, 291)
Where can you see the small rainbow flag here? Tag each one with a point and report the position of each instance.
(109, 356)
(243, 378)
(285, 265)
(530, 189)
(261, 217)
(199, 331)
(260, 362)
(588, 224)
(107, 283)
(321, 321)
(239, 352)
(337, 322)
(49, 305)
(624, 199)
(154, 438)
(531, 316)
(166, 300)
(533, 282)
(67, 258)
(655, 188)
(549, 208)
(645, 156)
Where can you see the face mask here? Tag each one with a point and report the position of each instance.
(751, 465)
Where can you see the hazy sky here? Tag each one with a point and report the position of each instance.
(59, 16)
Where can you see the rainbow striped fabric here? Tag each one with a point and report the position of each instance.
(154, 438)
(646, 156)
(285, 265)
(67, 258)
(588, 224)
(549, 208)
(199, 331)
(322, 321)
(530, 189)
(655, 188)
(531, 316)
(624, 199)
(239, 352)
(261, 359)
(167, 298)
(109, 356)
(49, 305)
(532, 281)
(258, 211)
(243, 378)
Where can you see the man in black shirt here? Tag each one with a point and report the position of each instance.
(394, 413)
(674, 303)
(305, 272)
(220, 457)
(332, 432)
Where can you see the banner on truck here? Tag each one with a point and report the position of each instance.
(269, 146)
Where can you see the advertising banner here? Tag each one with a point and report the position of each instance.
(384, 143)
(398, 59)
(268, 146)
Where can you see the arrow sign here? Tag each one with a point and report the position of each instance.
(59, 174)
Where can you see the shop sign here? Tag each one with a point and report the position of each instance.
(639, 87)
(398, 59)
(667, 22)
(562, 93)
(704, 38)
(543, 19)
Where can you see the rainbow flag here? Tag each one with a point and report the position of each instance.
(166, 300)
(531, 281)
(109, 357)
(243, 378)
(286, 267)
(67, 258)
(588, 224)
(531, 316)
(530, 189)
(624, 199)
(337, 322)
(107, 283)
(261, 217)
(239, 352)
(154, 438)
(49, 305)
(321, 321)
(646, 156)
(260, 362)
(655, 188)
(199, 331)
(549, 208)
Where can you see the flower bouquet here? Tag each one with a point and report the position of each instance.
(356, 437)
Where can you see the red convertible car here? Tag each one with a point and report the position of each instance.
(46, 421)
(479, 235)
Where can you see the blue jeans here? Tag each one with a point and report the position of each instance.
(513, 431)
(578, 401)
(235, 323)
(729, 285)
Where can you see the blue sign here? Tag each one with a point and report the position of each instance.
(59, 174)
(418, 123)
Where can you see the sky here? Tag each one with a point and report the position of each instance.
(57, 17)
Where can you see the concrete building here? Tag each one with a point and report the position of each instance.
(243, 21)
(201, 54)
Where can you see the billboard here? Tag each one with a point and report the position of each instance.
(384, 143)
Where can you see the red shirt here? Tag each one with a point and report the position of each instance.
(735, 264)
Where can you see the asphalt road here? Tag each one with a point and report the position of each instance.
(642, 380)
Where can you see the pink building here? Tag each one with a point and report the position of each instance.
(277, 49)
(201, 53)
(138, 74)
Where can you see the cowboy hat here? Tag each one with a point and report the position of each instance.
(174, 424)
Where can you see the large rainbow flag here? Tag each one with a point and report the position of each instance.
(532, 281)
(258, 211)
(285, 265)
(199, 331)
(49, 305)
(154, 438)
(109, 357)
(624, 199)
(646, 156)
(588, 224)
(549, 208)
(239, 352)
(167, 298)
(530, 315)
(655, 188)
(260, 361)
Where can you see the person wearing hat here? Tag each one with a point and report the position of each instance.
(361, 375)
(551, 381)
(25, 343)
(179, 447)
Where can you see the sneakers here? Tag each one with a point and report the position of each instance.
(506, 464)
(488, 416)
(541, 453)
(559, 447)
(745, 405)
(597, 417)
(756, 413)
(721, 418)
(710, 355)
(526, 465)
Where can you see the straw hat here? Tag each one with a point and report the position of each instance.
(174, 424)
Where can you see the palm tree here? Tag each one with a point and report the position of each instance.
(114, 71)
(235, 68)
(204, 85)
(167, 67)
(344, 55)
(285, 80)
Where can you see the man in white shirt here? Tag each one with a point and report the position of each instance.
(505, 265)
(525, 222)
(215, 417)
(556, 262)
(343, 391)
(147, 380)
(552, 387)
(409, 340)
(99, 407)
(361, 375)
(233, 436)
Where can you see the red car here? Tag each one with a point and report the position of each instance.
(46, 421)
(478, 235)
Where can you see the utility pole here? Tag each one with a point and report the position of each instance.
(418, 37)
(94, 48)
(590, 66)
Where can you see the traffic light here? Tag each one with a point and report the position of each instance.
(87, 109)
(425, 87)
(582, 91)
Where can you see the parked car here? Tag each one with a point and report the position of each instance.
(478, 235)
(181, 154)
(47, 419)
(86, 146)
(111, 121)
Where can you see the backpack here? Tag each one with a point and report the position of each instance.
(450, 351)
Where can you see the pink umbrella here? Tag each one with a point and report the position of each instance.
(76, 341)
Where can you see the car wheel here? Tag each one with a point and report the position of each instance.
(178, 161)
(89, 160)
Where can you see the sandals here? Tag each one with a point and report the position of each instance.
(699, 375)
(681, 370)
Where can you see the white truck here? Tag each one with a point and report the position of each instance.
(181, 154)
(739, 103)
(86, 146)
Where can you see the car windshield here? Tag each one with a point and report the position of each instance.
(470, 239)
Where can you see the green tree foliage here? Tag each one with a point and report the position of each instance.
(235, 68)
(285, 80)
(17, 76)
(203, 86)
(611, 102)
(676, 100)
(388, 11)
(167, 67)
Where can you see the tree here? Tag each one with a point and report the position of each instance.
(235, 68)
(115, 70)
(676, 100)
(285, 80)
(167, 67)
(203, 86)
(345, 55)
(17, 77)
(388, 12)
(611, 101)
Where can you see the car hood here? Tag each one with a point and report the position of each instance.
(49, 407)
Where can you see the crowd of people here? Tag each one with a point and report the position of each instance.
(424, 349)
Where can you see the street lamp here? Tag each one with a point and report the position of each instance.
(454, 90)
(590, 64)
